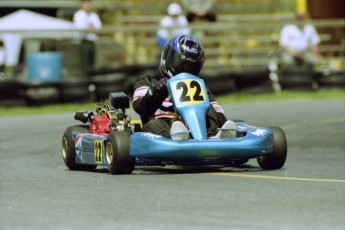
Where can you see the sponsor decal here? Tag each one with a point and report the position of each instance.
(151, 135)
(77, 141)
(78, 147)
(190, 49)
(259, 132)
(187, 58)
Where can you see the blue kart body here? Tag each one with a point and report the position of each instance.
(120, 150)
(216, 151)
(151, 149)
(191, 102)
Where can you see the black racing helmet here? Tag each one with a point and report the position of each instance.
(182, 54)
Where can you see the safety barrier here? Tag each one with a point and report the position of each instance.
(255, 80)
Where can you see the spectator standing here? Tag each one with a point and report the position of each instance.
(199, 9)
(171, 25)
(84, 18)
(299, 43)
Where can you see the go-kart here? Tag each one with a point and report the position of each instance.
(114, 140)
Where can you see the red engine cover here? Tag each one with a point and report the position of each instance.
(100, 125)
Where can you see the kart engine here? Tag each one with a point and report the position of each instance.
(110, 115)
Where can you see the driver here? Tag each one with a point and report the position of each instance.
(151, 101)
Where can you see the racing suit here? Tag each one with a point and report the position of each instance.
(151, 101)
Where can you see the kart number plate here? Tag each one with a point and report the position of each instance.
(98, 151)
(190, 91)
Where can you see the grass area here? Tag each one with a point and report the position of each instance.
(231, 98)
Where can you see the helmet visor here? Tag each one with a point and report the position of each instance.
(180, 63)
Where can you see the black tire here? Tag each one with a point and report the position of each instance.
(68, 149)
(275, 159)
(117, 153)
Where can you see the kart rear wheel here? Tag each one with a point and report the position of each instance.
(68, 149)
(275, 159)
(117, 153)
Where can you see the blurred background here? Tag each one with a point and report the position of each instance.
(40, 47)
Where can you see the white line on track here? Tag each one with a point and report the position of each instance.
(278, 177)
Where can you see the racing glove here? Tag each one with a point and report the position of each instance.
(159, 92)
(152, 100)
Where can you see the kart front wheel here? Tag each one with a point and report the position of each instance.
(117, 153)
(68, 149)
(275, 159)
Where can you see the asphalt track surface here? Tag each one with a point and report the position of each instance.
(38, 192)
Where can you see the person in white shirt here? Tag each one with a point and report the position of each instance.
(199, 9)
(299, 44)
(172, 25)
(84, 18)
